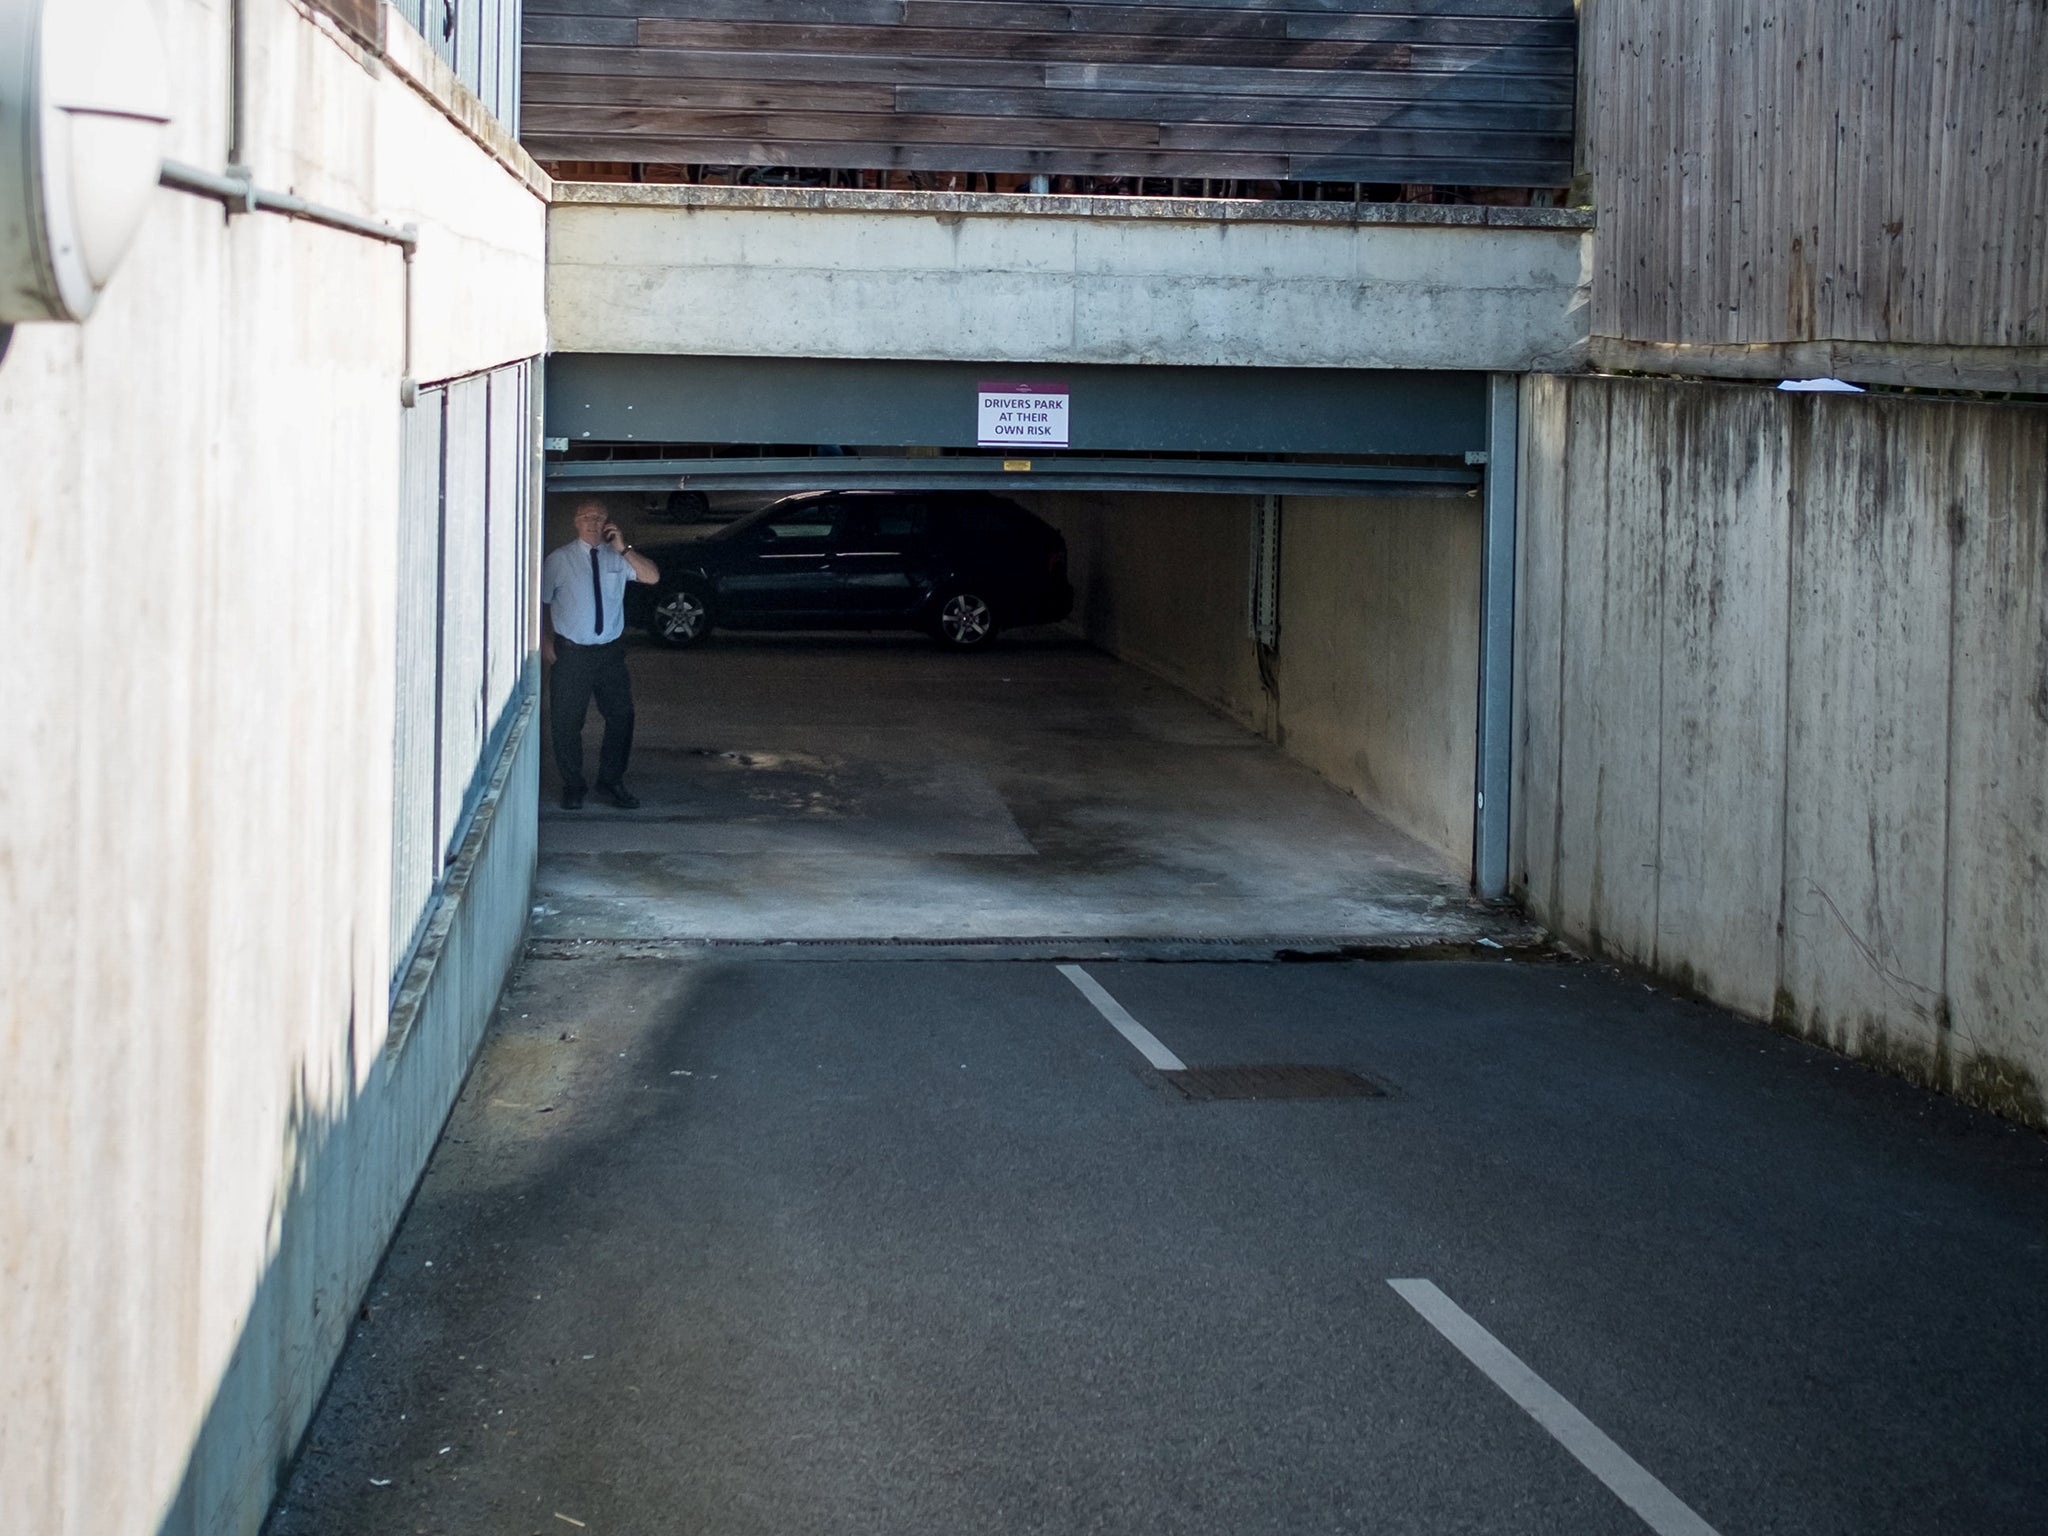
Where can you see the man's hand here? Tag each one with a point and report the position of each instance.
(613, 537)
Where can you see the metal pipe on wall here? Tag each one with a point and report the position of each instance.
(238, 90)
(233, 190)
(236, 190)
(238, 194)
(1495, 765)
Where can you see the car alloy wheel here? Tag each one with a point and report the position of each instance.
(681, 618)
(966, 621)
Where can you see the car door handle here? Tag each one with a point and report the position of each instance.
(870, 554)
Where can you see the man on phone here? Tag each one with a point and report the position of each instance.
(582, 639)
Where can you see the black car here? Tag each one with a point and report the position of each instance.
(959, 565)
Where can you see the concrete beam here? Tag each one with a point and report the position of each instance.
(967, 277)
(1998, 370)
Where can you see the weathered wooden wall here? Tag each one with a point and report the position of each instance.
(1842, 180)
(1473, 92)
(1782, 710)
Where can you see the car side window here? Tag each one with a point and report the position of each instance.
(881, 527)
(801, 531)
(812, 523)
(899, 520)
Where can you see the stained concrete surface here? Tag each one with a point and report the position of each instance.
(1793, 761)
(734, 1245)
(876, 787)
(650, 270)
(1375, 678)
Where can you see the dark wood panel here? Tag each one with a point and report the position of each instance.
(1477, 91)
(1219, 52)
(1552, 9)
(1044, 133)
(970, 158)
(877, 13)
(1289, 139)
(887, 12)
(1171, 20)
(898, 128)
(1379, 85)
(939, 101)
(883, 156)
(738, 95)
(1210, 107)
(1142, 21)
(582, 31)
(1522, 32)
(672, 121)
(1444, 172)
(686, 64)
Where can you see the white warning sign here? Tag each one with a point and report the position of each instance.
(1023, 416)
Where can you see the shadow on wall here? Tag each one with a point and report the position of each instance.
(351, 1166)
(244, 1443)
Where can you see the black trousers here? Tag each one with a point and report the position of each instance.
(580, 673)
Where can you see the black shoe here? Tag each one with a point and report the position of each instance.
(572, 797)
(619, 795)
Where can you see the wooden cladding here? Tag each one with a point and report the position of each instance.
(1460, 92)
(1779, 172)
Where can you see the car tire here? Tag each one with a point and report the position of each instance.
(963, 620)
(681, 616)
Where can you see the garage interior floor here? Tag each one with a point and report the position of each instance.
(813, 787)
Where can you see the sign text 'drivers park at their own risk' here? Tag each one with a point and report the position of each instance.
(1022, 416)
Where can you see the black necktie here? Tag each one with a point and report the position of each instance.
(597, 596)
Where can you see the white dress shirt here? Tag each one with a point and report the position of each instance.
(565, 588)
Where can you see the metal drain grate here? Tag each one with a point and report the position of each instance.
(1207, 1085)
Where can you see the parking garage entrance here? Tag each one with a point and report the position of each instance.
(1273, 714)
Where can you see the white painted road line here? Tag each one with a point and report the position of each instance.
(1147, 1043)
(1661, 1509)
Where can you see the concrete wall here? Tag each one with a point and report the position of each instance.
(984, 278)
(203, 1140)
(1379, 656)
(1164, 582)
(1374, 680)
(1782, 687)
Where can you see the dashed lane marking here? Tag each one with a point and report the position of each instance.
(1120, 1020)
(1660, 1509)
